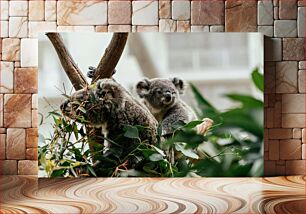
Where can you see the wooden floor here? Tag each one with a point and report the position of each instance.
(155, 195)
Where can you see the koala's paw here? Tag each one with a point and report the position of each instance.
(91, 72)
(203, 127)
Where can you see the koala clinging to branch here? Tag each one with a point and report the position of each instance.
(161, 96)
(107, 105)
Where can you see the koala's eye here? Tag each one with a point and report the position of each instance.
(159, 92)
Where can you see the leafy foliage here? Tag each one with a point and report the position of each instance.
(232, 147)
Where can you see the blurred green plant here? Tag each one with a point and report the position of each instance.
(232, 147)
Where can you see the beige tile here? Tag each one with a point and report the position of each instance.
(36, 27)
(164, 9)
(199, 28)
(25, 80)
(286, 77)
(145, 13)
(293, 103)
(303, 151)
(91, 12)
(4, 29)
(216, 28)
(18, 8)
(27, 167)
(17, 110)
(11, 49)
(29, 53)
(32, 138)
(32, 154)
(167, 25)
(4, 10)
(18, 27)
(207, 12)
(34, 118)
(101, 28)
(15, 144)
(50, 10)
(293, 120)
(181, 10)
(147, 28)
(7, 77)
(119, 12)
(280, 133)
(119, 28)
(36, 10)
(239, 15)
(34, 101)
(304, 135)
(183, 26)
(290, 149)
(76, 28)
(297, 133)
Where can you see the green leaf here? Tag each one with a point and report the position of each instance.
(192, 124)
(187, 152)
(189, 137)
(58, 173)
(156, 157)
(91, 170)
(82, 109)
(159, 150)
(131, 132)
(199, 98)
(258, 79)
(239, 118)
(246, 101)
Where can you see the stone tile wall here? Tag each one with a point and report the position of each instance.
(281, 20)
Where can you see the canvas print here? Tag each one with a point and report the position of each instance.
(150, 104)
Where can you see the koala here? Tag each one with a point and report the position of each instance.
(162, 98)
(109, 106)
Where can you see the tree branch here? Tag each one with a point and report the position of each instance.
(111, 57)
(73, 72)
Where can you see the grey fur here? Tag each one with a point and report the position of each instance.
(109, 106)
(162, 97)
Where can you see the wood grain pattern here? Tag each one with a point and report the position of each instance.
(154, 195)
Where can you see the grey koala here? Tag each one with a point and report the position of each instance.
(162, 98)
(109, 106)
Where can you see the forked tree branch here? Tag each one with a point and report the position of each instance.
(72, 70)
(111, 57)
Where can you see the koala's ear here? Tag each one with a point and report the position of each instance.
(179, 84)
(143, 87)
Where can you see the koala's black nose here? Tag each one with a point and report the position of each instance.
(167, 96)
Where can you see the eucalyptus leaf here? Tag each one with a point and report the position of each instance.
(131, 132)
(258, 79)
(156, 157)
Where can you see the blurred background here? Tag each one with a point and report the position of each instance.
(217, 63)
